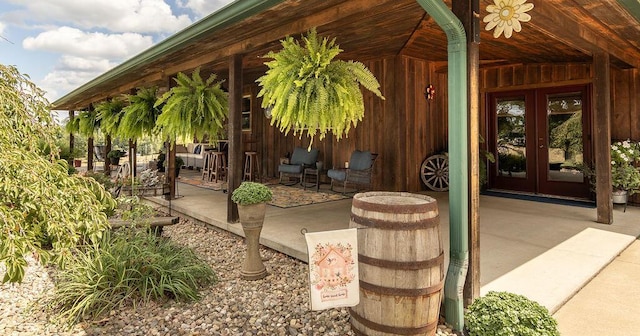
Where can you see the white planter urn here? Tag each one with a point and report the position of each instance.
(620, 196)
(252, 218)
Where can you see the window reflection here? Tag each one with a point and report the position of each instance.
(511, 139)
(564, 120)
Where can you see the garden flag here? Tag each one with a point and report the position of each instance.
(333, 268)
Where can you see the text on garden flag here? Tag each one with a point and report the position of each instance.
(333, 268)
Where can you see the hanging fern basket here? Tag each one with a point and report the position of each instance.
(308, 91)
(193, 108)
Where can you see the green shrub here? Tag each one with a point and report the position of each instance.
(127, 266)
(508, 314)
(251, 193)
(101, 178)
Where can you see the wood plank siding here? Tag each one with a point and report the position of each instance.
(405, 128)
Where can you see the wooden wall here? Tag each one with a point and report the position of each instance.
(625, 100)
(405, 128)
(625, 109)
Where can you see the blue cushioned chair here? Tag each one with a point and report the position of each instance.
(358, 173)
(300, 159)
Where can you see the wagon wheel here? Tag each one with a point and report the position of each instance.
(434, 172)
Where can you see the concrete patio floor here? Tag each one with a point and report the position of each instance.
(546, 252)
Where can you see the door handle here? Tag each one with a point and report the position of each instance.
(541, 142)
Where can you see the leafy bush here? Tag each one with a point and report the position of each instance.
(40, 203)
(127, 266)
(251, 193)
(508, 314)
(130, 208)
(101, 178)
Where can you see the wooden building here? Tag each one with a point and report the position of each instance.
(574, 64)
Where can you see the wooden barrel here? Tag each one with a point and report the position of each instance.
(401, 264)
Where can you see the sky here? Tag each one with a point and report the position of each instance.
(62, 44)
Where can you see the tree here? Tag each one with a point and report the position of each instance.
(43, 209)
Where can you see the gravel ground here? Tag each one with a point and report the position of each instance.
(275, 305)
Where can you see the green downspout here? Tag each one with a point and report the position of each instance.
(458, 163)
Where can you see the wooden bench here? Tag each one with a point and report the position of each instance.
(156, 223)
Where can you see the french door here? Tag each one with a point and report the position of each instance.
(540, 138)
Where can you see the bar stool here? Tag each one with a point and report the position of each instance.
(251, 166)
(206, 166)
(218, 166)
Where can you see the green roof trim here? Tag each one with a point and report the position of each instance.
(632, 6)
(226, 16)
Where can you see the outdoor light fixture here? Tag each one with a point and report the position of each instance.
(429, 92)
(267, 111)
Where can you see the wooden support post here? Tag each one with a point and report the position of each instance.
(171, 168)
(132, 156)
(602, 135)
(90, 154)
(234, 173)
(71, 138)
(107, 161)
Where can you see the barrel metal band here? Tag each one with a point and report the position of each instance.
(395, 208)
(402, 265)
(392, 291)
(391, 329)
(425, 223)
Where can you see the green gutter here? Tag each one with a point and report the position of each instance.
(632, 6)
(458, 163)
(228, 15)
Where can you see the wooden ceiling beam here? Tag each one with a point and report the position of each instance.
(299, 25)
(549, 19)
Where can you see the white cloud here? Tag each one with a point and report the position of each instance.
(139, 16)
(2, 27)
(203, 7)
(84, 55)
(71, 72)
(72, 41)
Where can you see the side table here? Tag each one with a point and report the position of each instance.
(314, 174)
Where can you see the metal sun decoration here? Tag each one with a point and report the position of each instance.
(429, 92)
(506, 15)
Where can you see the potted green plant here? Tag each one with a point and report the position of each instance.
(251, 198)
(115, 155)
(625, 176)
(307, 90)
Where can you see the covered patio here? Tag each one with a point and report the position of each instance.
(544, 251)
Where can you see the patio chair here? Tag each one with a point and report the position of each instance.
(98, 152)
(358, 174)
(300, 159)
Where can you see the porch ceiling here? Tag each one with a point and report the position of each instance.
(560, 31)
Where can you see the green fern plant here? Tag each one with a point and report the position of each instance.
(307, 89)
(110, 113)
(193, 108)
(88, 123)
(141, 114)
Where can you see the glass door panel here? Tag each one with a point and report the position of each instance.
(565, 149)
(511, 139)
(512, 124)
(564, 144)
